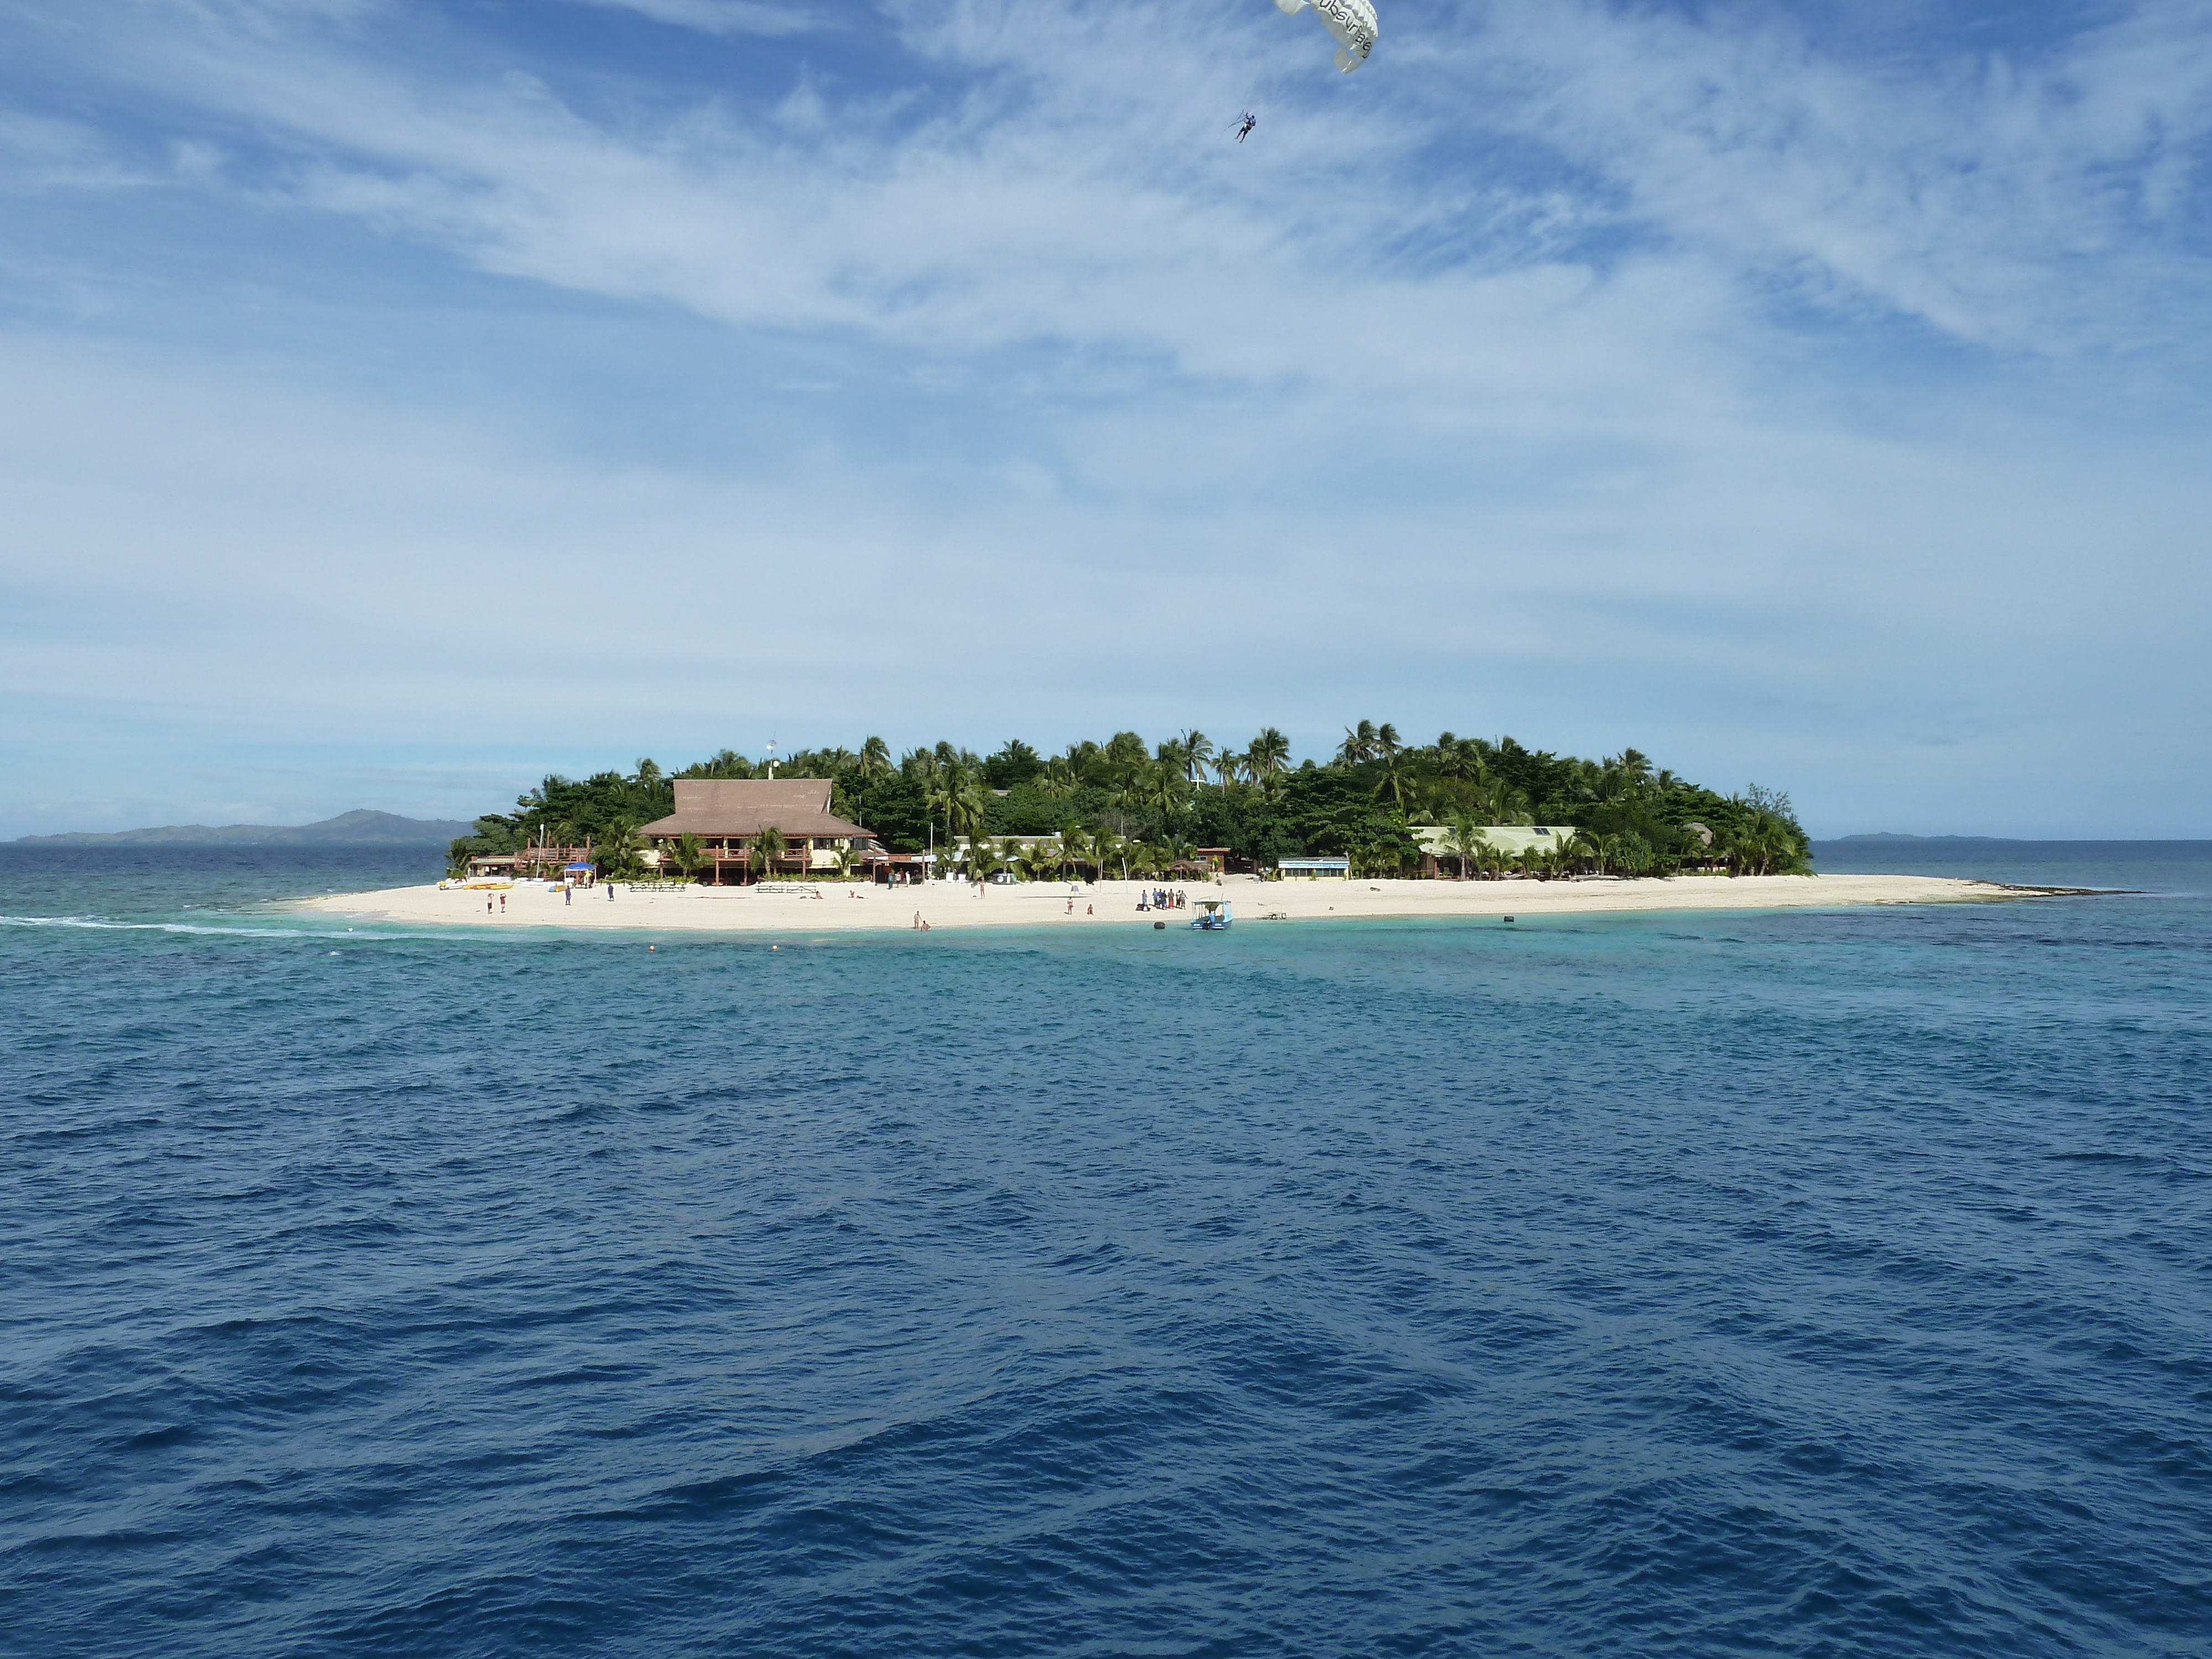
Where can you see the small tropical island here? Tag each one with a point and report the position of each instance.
(1458, 826)
(1122, 810)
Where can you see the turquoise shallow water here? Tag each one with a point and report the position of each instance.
(1824, 1284)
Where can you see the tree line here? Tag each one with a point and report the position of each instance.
(1160, 802)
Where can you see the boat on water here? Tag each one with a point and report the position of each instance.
(1212, 916)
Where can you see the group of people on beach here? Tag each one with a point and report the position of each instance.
(1162, 898)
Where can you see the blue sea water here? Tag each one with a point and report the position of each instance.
(1820, 1283)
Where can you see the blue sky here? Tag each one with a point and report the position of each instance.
(404, 399)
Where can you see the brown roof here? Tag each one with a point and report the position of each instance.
(745, 806)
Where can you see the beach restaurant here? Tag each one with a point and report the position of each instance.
(728, 816)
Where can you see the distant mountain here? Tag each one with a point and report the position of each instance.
(360, 827)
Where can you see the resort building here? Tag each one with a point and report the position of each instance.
(727, 817)
(1300, 869)
(1014, 846)
(1510, 839)
(542, 860)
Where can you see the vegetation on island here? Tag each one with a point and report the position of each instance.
(1126, 808)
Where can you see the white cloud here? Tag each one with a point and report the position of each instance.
(1470, 390)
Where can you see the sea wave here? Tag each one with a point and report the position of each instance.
(100, 924)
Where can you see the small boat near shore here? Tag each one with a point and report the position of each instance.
(1213, 917)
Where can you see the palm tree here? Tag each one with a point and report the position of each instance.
(1163, 787)
(1396, 779)
(1106, 848)
(847, 861)
(619, 847)
(1509, 804)
(1018, 761)
(1358, 744)
(1197, 753)
(969, 806)
(1465, 840)
(1386, 739)
(771, 846)
(687, 854)
(982, 860)
(1058, 778)
(1075, 845)
(1579, 846)
(1458, 758)
(1269, 753)
(937, 788)
(1126, 793)
(875, 759)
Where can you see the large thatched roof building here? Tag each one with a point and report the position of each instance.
(728, 816)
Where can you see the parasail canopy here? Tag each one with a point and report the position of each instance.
(1351, 21)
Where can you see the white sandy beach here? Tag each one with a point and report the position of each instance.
(1033, 904)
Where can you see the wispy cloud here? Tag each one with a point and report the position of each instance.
(2035, 200)
(1047, 170)
(725, 16)
(40, 153)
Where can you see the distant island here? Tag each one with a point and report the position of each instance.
(359, 827)
(1892, 835)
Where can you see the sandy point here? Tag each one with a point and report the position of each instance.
(955, 905)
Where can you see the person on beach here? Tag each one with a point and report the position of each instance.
(568, 895)
(502, 904)
(486, 903)
(917, 920)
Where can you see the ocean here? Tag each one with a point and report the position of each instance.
(1826, 1283)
